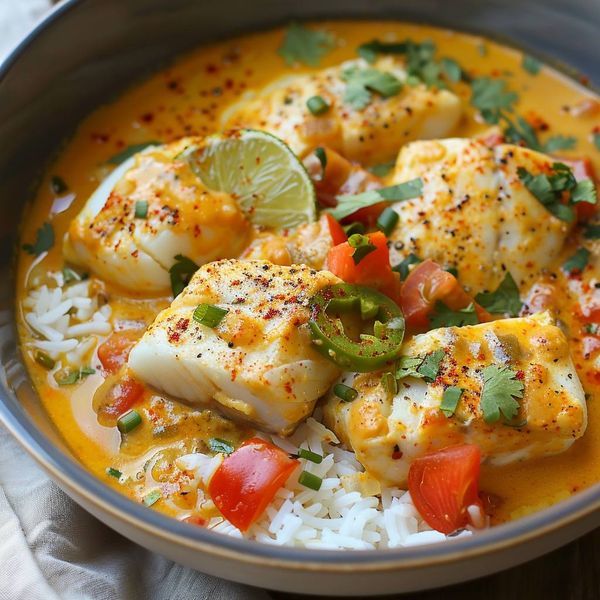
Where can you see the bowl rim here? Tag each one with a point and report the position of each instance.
(74, 477)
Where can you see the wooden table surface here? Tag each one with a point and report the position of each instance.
(569, 573)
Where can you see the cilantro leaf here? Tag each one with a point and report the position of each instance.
(578, 261)
(423, 367)
(500, 388)
(350, 203)
(370, 50)
(520, 132)
(559, 142)
(592, 232)
(303, 45)
(403, 267)
(452, 69)
(584, 191)
(531, 65)
(128, 152)
(450, 400)
(181, 273)
(504, 300)
(443, 316)
(361, 82)
(44, 240)
(491, 96)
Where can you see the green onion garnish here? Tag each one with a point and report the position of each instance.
(114, 472)
(310, 481)
(129, 421)
(317, 105)
(209, 314)
(141, 209)
(152, 497)
(389, 383)
(308, 455)
(322, 156)
(356, 227)
(41, 358)
(387, 220)
(58, 185)
(70, 377)
(345, 392)
(219, 445)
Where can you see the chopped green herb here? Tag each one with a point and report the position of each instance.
(181, 273)
(310, 481)
(452, 69)
(322, 156)
(220, 445)
(129, 421)
(388, 220)
(350, 203)
(317, 105)
(430, 366)
(152, 497)
(345, 392)
(450, 400)
(41, 358)
(389, 383)
(584, 191)
(362, 246)
(408, 367)
(504, 300)
(491, 96)
(452, 271)
(69, 275)
(531, 65)
(446, 317)
(128, 152)
(577, 262)
(500, 388)
(311, 456)
(592, 232)
(559, 142)
(303, 45)
(141, 209)
(520, 132)
(58, 185)
(403, 267)
(370, 50)
(44, 240)
(356, 227)
(114, 472)
(73, 376)
(383, 169)
(360, 83)
(593, 328)
(209, 315)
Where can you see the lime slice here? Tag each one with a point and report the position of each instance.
(260, 171)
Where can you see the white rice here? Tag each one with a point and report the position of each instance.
(66, 319)
(336, 516)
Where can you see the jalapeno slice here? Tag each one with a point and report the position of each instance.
(370, 352)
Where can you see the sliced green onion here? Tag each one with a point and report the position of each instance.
(152, 497)
(85, 371)
(129, 421)
(141, 209)
(388, 220)
(317, 105)
(389, 383)
(58, 185)
(209, 314)
(322, 156)
(356, 227)
(219, 445)
(41, 358)
(362, 246)
(403, 267)
(452, 271)
(114, 472)
(308, 455)
(450, 400)
(69, 275)
(310, 481)
(345, 392)
(69, 378)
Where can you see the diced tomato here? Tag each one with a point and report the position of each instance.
(427, 284)
(374, 270)
(121, 397)
(114, 351)
(444, 484)
(246, 481)
(338, 235)
(582, 169)
(195, 520)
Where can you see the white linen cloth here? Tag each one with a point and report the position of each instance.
(50, 548)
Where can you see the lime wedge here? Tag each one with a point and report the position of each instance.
(260, 171)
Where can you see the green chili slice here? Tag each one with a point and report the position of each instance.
(369, 352)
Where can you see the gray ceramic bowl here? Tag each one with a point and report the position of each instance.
(83, 53)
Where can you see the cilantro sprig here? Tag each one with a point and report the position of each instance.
(491, 97)
(577, 262)
(350, 203)
(361, 83)
(549, 190)
(504, 299)
(181, 273)
(499, 392)
(44, 240)
(303, 45)
(443, 316)
(423, 367)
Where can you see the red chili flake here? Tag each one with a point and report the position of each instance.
(272, 312)
(100, 138)
(147, 117)
(211, 68)
(228, 84)
(520, 375)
